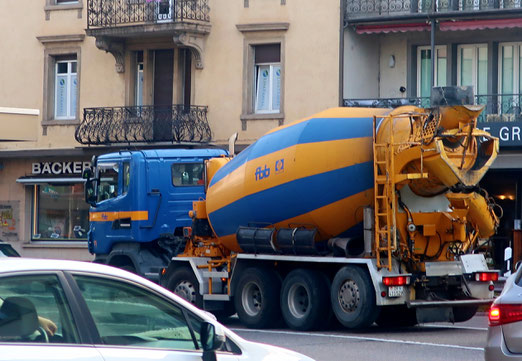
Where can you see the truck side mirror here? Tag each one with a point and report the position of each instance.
(212, 338)
(87, 173)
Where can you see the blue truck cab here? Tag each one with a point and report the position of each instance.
(139, 205)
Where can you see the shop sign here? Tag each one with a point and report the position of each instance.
(58, 168)
(508, 133)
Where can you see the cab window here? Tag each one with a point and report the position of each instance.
(108, 185)
(187, 174)
(126, 177)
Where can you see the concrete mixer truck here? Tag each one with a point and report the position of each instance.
(357, 215)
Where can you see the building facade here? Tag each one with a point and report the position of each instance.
(85, 77)
(388, 50)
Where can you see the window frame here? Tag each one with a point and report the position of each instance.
(517, 66)
(475, 74)
(419, 70)
(260, 34)
(75, 319)
(90, 322)
(51, 57)
(35, 215)
(70, 75)
(54, 5)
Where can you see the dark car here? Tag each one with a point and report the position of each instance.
(6, 250)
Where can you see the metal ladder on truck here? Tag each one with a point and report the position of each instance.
(384, 196)
(386, 180)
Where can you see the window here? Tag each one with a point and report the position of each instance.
(424, 69)
(138, 93)
(126, 177)
(60, 213)
(188, 174)
(45, 307)
(108, 181)
(267, 72)
(62, 79)
(510, 77)
(472, 67)
(66, 88)
(128, 315)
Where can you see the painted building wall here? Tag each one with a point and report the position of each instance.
(311, 84)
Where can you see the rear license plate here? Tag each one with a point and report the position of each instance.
(395, 291)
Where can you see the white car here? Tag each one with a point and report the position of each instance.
(68, 310)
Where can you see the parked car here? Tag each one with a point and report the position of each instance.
(70, 310)
(505, 322)
(6, 250)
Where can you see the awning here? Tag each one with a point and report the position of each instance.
(480, 24)
(38, 180)
(391, 28)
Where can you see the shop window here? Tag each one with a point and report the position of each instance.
(187, 174)
(60, 213)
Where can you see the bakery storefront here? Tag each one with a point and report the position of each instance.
(57, 220)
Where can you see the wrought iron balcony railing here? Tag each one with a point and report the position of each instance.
(111, 13)
(356, 9)
(144, 124)
(499, 107)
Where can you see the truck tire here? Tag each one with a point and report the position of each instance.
(353, 298)
(397, 316)
(305, 300)
(183, 283)
(464, 313)
(256, 298)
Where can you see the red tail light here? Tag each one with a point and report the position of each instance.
(503, 313)
(396, 281)
(486, 276)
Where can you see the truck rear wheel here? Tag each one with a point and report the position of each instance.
(183, 282)
(305, 300)
(353, 298)
(256, 298)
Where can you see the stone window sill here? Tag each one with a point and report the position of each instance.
(55, 7)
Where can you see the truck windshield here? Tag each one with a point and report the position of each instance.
(108, 176)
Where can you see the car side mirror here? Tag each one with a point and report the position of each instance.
(212, 338)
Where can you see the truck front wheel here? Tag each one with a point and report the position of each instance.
(183, 282)
(304, 300)
(353, 298)
(256, 298)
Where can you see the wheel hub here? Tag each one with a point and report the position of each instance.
(252, 299)
(298, 301)
(349, 296)
(187, 291)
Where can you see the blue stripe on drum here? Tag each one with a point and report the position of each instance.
(310, 131)
(264, 207)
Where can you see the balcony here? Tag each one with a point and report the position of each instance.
(102, 14)
(144, 124)
(113, 22)
(499, 107)
(358, 11)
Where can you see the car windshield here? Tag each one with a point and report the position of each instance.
(6, 250)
